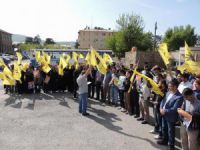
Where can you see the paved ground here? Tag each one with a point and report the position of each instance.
(52, 122)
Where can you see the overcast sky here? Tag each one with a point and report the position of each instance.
(61, 19)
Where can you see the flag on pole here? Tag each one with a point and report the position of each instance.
(61, 66)
(163, 51)
(37, 56)
(19, 58)
(107, 58)
(17, 72)
(7, 77)
(155, 88)
(188, 53)
(88, 58)
(93, 58)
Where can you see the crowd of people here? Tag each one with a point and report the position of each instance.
(181, 95)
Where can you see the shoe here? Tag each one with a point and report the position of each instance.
(158, 137)
(119, 108)
(162, 142)
(144, 122)
(136, 116)
(123, 110)
(140, 119)
(85, 114)
(153, 132)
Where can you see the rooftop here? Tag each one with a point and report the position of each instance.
(4, 31)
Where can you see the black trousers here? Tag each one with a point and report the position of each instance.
(121, 98)
(99, 91)
(135, 98)
(91, 88)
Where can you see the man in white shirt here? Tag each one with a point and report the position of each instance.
(83, 90)
(185, 83)
(143, 101)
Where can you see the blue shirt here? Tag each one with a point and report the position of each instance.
(197, 94)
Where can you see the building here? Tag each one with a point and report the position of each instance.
(198, 41)
(93, 37)
(5, 42)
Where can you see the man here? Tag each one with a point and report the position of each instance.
(189, 133)
(98, 84)
(106, 87)
(197, 89)
(185, 82)
(113, 84)
(83, 90)
(168, 109)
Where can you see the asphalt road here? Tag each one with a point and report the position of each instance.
(52, 122)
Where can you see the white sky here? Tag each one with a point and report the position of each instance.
(62, 19)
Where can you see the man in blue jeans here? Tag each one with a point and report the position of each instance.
(83, 90)
(168, 109)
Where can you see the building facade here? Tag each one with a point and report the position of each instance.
(93, 37)
(5, 42)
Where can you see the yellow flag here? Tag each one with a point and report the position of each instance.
(101, 66)
(75, 57)
(67, 58)
(46, 68)
(133, 75)
(93, 58)
(188, 53)
(163, 51)
(81, 55)
(61, 66)
(87, 58)
(182, 68)
(154, 85)
(107, 58)
(190, 66)
(19, 58)
(25, 67)
(132, 78)
(1, 75)
(46, 57)
(37, 56)
(17, 72)
(7, 77)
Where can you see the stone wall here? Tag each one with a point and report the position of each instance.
(152, 58)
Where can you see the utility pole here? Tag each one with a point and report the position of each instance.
(154, 43)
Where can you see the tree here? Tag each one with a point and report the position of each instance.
(176, 37)
(130, 33)
(28, 40)
(49, 41)
(37, 40)
(76, 44)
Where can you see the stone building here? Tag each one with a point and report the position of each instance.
(93, 37)
(5, 42)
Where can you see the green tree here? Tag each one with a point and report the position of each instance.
(77, 44)
(176, 37)
(49, 41)
(130, 33)
(28, 40)
(37, 39)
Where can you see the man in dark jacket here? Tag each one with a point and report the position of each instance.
(168, 109)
